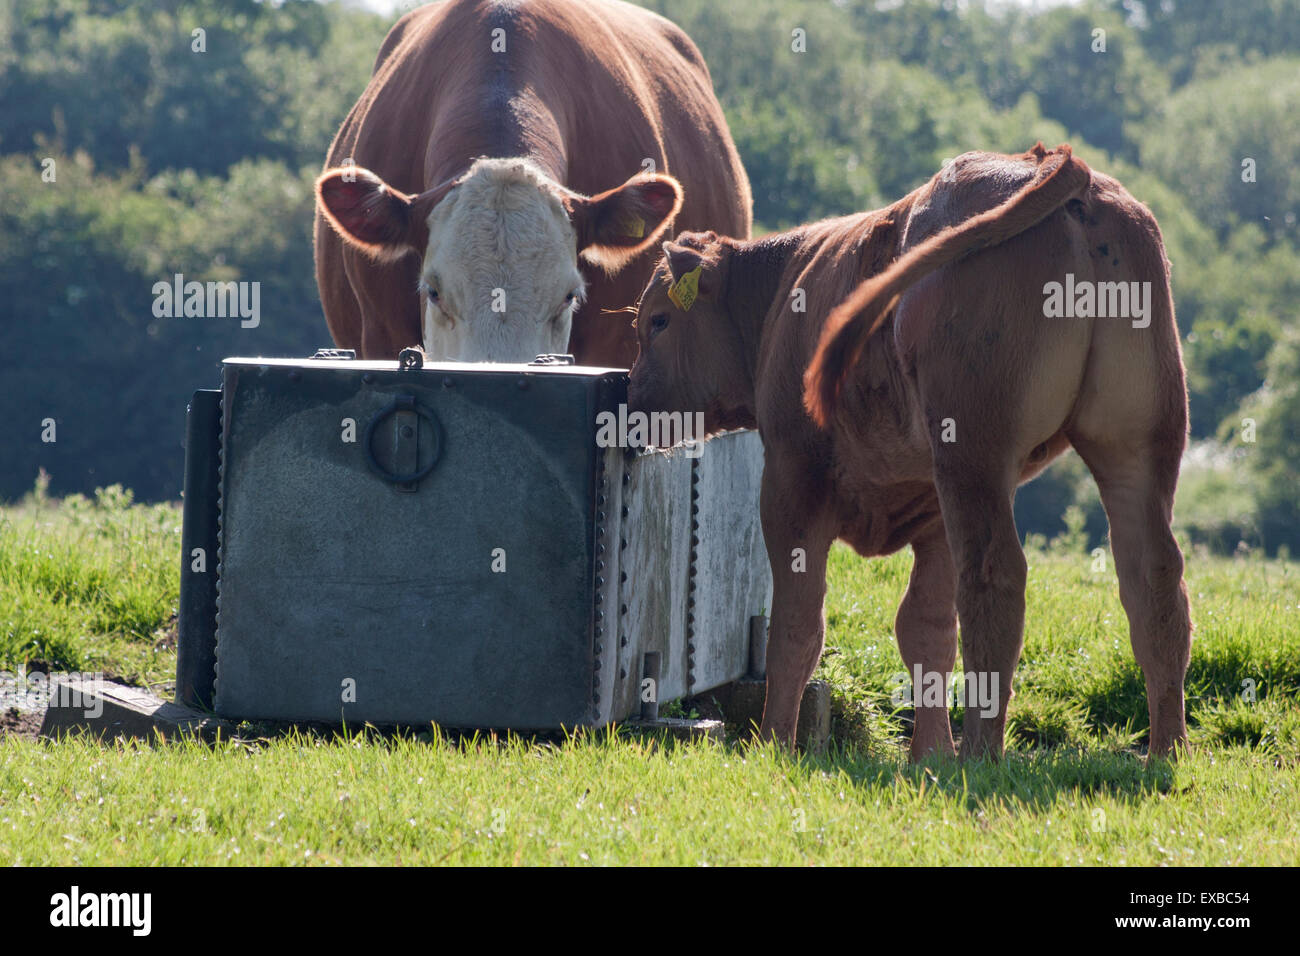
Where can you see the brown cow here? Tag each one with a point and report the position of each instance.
(486, 126)
(947, 378)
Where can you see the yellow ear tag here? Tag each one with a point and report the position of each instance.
(685, 290)
(633, 226)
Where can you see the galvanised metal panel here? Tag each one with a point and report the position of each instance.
(657, 561)
(691, 565)
(345, 598)
(196, 623)
(614, 682)
(730, 555)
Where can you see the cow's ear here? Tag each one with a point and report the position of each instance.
(617, 226)
(371, 215)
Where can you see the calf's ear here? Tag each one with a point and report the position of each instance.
(682, 259)
(371, 215)
(618, 225)
(691, 269)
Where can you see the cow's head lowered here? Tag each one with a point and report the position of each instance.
(500, 247)
(692, 357)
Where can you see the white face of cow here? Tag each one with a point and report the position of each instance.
(499, 277)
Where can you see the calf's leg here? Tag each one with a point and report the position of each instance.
(798, 542)
(991, 573)
(926, 626)
(1130, 428)
(1137, 489)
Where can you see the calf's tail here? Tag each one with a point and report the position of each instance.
(1059, 179)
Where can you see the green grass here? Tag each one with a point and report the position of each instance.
(609, 799)
(90, 585)
(1078, 683)
(93, 585)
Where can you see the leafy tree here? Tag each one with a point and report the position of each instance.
(1192, 37)
(1091, 74)
(174, 161)
(1228, 144)
(1274, 456)
(112, 77)
(1244, 296)
(80, 343)
(961, 44)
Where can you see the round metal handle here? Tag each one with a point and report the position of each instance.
(403, 403)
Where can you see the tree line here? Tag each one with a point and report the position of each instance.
(145, 139)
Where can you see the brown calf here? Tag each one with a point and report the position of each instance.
(907, 408)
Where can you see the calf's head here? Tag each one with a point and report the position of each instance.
(500, 248)
(692, 355)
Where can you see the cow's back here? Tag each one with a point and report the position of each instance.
(589, 90)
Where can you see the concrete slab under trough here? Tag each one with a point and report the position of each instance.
(106, 709)
(111, 710)
(682, 728)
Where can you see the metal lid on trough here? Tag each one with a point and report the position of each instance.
(392, 365)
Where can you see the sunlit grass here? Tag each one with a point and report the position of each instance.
(611, 799)
(87, 585)
(90, 584)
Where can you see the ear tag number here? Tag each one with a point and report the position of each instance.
(685, 290)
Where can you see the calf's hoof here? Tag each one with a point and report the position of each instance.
(981, 742)
(931, 735)
(935, 748)
(1168, 746)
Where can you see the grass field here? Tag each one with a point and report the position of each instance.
(92, 585)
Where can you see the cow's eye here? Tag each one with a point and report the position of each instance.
(433, 296)
(658, 323)
(570, 298)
